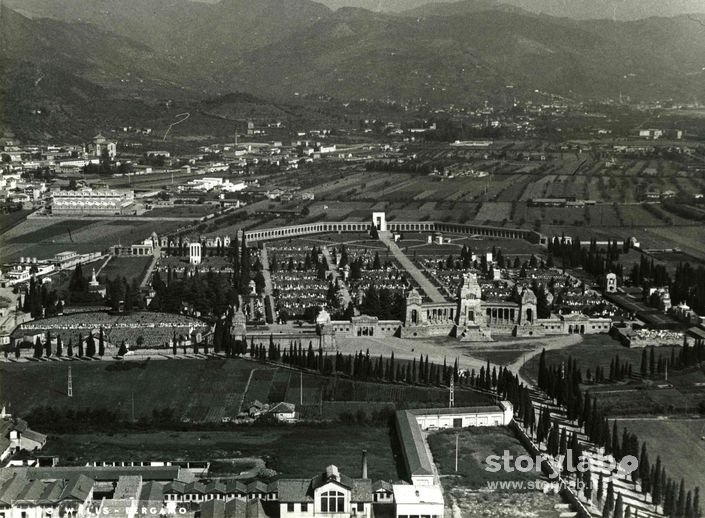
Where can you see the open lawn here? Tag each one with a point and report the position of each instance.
(500, 356)
(631, 397)
(591, 352)
(128, 267)
(475, 445)
(293, 451)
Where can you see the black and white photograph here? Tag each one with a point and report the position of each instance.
(352, 258)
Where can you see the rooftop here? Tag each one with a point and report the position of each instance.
(404, 494)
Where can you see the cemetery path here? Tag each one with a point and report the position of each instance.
(429, 289)
(333, 269)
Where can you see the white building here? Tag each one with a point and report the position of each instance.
(92, 202)
(284, 412)
(209, 183)
(417, 501)
(194, 253)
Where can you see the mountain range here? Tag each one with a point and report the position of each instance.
(57, 54)
(576, 9)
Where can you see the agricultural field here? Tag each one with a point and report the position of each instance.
(43, 238)
(494, 211)
(10, 219)
(182, 211)
(679, 442)
(293, 451)
(206, 391)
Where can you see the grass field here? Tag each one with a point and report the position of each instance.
(182, 211)
(42, 238)
(592, 351)
(127, 267)
(500, 356)
(475, 444)
(678, 442)
(293, 451)
(9, 220)
(204, 390)
(635, 397)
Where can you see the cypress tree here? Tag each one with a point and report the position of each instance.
(680, 503)
(59, 346)
(652, 362)
(90, 346)
(609, 498)
(619, 507)
(600, 487)
(615, 442)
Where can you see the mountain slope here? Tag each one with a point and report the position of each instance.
(189, 33)
(622, 10)
(84, 50)
(356, 53)
(453, 53)
(461, 8)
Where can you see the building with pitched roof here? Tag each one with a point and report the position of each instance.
(23, 497)
(329, 492)
(15, 435)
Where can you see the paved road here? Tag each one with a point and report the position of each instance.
(429, 289)
(148, 275)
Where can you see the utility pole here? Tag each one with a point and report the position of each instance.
(456, 451)
(451, 399)
(301, 388)
(69, 390)
(133, 406)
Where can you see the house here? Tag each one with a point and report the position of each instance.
(257, 408)
(329, 492)
(285, 412)
(382, 492)
(15, 435)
